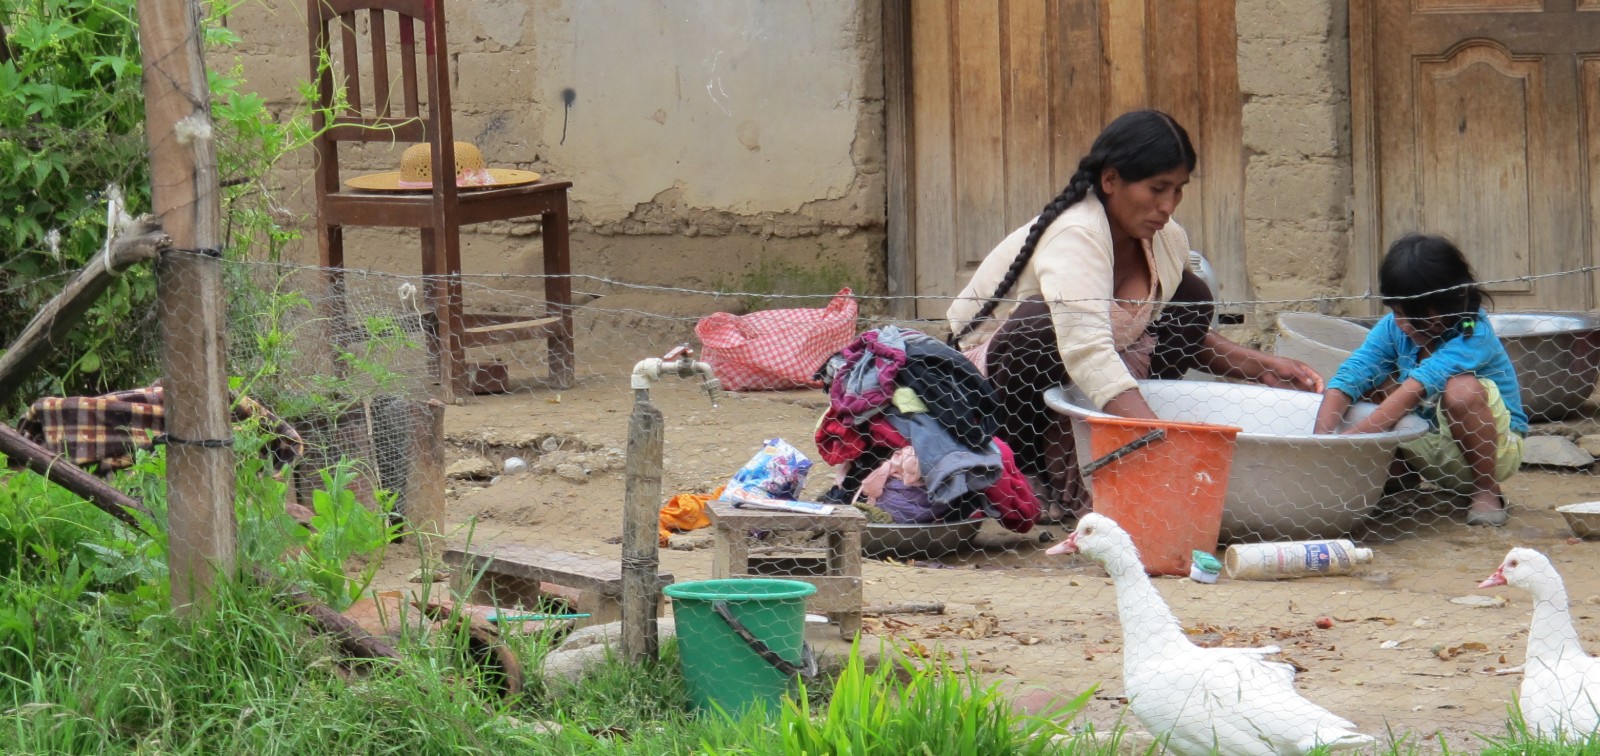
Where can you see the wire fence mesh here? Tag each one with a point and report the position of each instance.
(937, 534)
(946, 487)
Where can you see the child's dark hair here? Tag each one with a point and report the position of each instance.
(1424, 275)
(1138, 144)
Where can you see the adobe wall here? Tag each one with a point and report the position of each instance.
(708, 142)
(702, 158)
(1294, 74)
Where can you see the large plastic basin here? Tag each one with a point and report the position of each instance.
(1556, 354)
(1286, 483)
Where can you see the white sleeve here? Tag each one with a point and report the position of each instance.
(1075, 277)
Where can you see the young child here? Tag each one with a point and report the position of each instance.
(1435, 354)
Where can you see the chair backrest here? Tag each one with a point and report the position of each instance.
(396, 111)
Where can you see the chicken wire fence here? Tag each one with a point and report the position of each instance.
(940, 503)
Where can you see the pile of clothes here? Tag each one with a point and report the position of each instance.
(911, 423)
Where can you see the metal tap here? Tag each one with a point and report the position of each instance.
(680, 362)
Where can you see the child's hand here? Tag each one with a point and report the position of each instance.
(1400, 402)
(1331, 412)
(1365, 426)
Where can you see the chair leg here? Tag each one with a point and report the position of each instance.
(558, 293)
(330, 245)
(334, 307)
(443, 297)
(455, 353)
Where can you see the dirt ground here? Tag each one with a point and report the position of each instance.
(1400, 660)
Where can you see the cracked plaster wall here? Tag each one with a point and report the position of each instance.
(701, 136)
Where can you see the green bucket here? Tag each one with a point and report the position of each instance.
(741, 641)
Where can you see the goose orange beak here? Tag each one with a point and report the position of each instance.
(1498, 578)
(1067, 546)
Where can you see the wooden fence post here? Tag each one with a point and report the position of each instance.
(641, 555)
(424, 483)
(183, 174)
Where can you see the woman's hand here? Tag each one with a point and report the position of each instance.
(1239, 361)
(1283, 372)
(1130, 403)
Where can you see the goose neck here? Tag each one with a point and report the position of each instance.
(1147, 621)
(1551, 634)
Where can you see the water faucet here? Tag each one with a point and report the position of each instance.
(680, 362)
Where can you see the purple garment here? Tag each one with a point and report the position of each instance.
(868, 380)
(909, 504)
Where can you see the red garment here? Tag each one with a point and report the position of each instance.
(1012, 497)
(837, 442)
(883, 434)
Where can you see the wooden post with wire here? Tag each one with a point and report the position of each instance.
(202, 534)
(424, 484)
(641, 594)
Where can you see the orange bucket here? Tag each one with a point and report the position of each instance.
(1163, 482)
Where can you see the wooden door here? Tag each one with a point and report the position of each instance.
(1474, 118)
(993, 102)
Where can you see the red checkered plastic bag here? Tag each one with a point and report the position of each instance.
(776, 349)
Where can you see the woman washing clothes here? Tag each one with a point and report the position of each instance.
(1096, 292)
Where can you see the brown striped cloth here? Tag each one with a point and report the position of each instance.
(107, 430)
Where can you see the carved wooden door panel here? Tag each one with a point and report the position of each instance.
(1475, 118)
(992, 103)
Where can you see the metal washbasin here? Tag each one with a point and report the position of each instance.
(1285, 482)
(1557, 357)
(918, 541)
(1321, 341)
(1556, 354)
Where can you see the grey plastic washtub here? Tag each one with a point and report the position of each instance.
(1285, 483)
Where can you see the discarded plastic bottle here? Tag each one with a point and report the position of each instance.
(1292, 559)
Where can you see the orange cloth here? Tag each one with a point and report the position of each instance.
(685, 512)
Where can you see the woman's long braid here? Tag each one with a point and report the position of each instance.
(1079, 187)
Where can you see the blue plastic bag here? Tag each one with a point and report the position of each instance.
(778, 471)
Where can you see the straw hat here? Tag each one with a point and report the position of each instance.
(416, 172)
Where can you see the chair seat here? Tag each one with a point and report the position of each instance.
(413, 209)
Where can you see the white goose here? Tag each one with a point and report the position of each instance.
(1560, 683)
(1201, 700)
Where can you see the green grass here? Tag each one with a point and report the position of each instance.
(92, 661)
(1519, 741)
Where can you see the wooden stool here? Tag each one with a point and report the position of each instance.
(838, 588)
(519, 576)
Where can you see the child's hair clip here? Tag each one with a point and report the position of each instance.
(1469, 324)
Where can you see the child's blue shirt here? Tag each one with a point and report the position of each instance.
(1388, 352)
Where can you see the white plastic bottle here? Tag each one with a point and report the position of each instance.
(1292, 559)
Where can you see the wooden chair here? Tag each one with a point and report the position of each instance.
(438, 214)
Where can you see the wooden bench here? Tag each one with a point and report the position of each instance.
(839, 584)
(519, 576)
